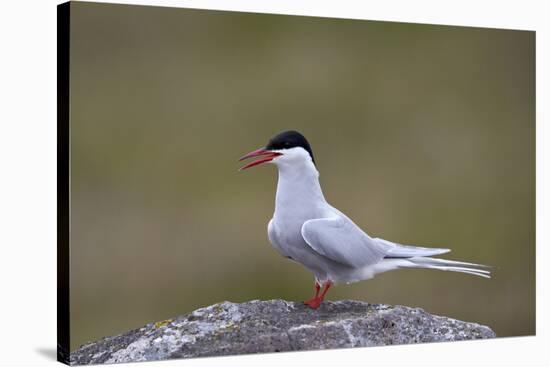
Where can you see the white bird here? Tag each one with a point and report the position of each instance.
(307, 229)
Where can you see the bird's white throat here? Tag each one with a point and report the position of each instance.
(298, 186)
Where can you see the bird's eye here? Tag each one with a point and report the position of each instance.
(286, 144)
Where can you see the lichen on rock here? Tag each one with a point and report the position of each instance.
(275, 326)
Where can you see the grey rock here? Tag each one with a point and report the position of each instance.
(277, 326)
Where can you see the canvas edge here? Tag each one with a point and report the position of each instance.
(63, 179)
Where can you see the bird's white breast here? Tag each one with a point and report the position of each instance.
(299, 198)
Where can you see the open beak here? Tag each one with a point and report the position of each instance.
(266, 154)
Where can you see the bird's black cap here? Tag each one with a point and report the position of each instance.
(289, 139)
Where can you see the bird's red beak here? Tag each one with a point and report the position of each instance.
(266, 154)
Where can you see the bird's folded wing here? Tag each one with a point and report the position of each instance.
(393, 249)
(339, 239)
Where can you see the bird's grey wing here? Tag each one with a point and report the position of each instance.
(393, 249)
(341, 240)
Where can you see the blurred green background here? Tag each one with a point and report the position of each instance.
(422, 134)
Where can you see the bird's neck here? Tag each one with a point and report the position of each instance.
(298, 187)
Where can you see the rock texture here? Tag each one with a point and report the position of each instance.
(277, 326)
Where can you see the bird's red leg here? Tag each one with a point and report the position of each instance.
(312, 301)
(328, 284)
(316, 301)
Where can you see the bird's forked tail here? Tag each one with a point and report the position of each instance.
(446, 265)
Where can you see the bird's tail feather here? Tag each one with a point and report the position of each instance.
(447, 265)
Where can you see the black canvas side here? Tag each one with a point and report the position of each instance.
(63, 58)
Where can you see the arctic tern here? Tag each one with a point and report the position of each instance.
(307, 229)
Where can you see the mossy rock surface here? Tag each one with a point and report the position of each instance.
(277, 326)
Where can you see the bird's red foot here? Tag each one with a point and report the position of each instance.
(313, 303)
(316, 301)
